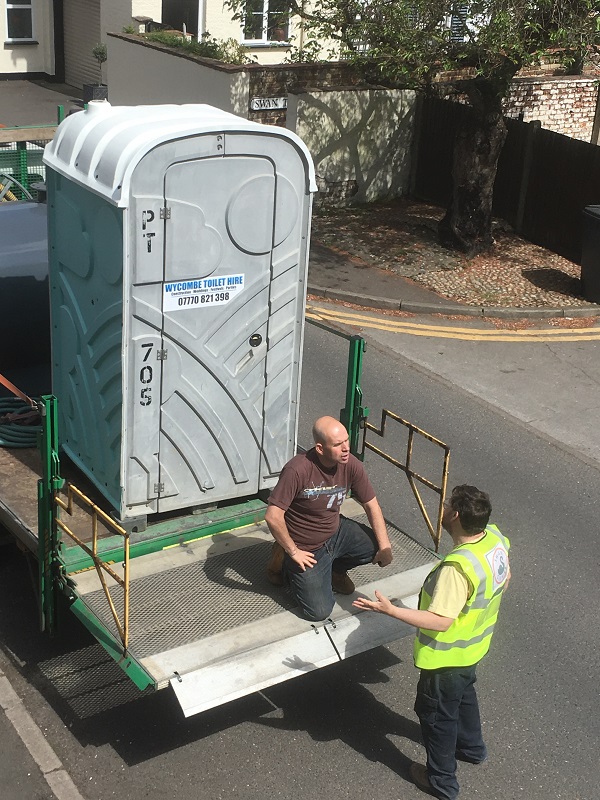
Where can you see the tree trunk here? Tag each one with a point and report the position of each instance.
(467, 225)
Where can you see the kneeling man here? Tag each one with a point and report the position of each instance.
(314, 544)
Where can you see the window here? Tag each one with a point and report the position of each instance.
(457, 23)
(19, 20)
(266, 21)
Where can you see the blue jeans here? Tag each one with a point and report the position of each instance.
(352, 545)
(448, 711)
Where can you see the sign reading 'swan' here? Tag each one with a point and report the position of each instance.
(267, 103)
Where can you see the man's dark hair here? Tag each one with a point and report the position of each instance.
(473, 506)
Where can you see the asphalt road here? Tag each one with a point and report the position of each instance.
(349, 731)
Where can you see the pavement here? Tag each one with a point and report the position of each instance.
(24, 103)
(334, 276)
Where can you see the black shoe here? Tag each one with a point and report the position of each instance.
(461, 757)
(420, 778)
(341, 583)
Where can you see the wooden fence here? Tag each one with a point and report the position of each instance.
(544, 179)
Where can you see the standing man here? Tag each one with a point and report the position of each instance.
(458, 607)
(314, 544)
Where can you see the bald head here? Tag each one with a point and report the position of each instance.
(331, 441)
(326, 427)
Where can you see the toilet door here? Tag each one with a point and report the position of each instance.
(217, 259)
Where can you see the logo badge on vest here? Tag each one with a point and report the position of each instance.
(498, 561)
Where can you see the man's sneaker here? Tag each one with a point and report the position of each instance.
(341, 583)
(275, 565)
(418, 775)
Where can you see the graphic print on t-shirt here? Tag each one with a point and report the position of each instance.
(336, 494)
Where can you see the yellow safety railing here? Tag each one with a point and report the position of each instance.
(101, 566)
(412, 475)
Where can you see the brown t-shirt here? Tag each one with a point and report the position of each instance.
(311, 496)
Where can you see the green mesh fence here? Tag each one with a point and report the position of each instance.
(21, 169)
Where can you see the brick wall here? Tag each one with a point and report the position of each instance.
(564, 104)
(280, 80)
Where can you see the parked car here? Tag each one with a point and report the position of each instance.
(24, 303)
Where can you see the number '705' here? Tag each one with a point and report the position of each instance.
(146, 377)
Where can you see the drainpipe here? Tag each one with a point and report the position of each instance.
(201, 19)
(301, 41)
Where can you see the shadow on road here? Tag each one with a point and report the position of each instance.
(99, 704)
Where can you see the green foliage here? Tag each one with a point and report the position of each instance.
(128, 29)
(409, 42)
(100, 53)
(309, 53)
(227, 50)
(232, 52)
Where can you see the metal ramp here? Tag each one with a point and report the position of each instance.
(204, 618)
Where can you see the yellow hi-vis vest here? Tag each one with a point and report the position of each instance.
(467, 640)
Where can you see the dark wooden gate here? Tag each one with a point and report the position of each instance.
(543, 183)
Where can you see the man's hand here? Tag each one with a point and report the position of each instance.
(383, 557)
(303, 558)
(275, 519)
(382, 605)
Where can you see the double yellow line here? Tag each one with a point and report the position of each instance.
(450, 332)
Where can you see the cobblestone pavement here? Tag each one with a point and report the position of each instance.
(400, 237)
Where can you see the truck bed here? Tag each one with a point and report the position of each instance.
(205, 620)
(202, 616)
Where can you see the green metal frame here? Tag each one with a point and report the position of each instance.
(132, 668)
(23, 171)
(163, 535)
(49, 483)
(354, 414)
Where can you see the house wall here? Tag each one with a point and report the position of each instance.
(141, 73)
(360, 140)
(29, 58)
(146, 8)
(563, 104)
(220, 26)
(283, 79)
(117, 14)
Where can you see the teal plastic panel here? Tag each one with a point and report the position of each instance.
(85, 237)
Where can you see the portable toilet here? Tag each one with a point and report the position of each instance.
(178, 240)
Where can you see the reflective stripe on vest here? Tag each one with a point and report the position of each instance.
(467, 640)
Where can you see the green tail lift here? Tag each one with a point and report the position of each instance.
(57, 559)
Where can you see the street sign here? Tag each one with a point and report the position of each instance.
(267, 103)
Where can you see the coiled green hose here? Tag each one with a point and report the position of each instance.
(14, 434)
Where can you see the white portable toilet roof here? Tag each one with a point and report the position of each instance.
(100, 147)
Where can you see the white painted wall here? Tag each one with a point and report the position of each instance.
(220, 25)
(32, 57)
(139, 75)
(117, 14)
(146, 8)
(363, 135)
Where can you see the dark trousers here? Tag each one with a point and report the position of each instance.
(352, 545)
(448, 711)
